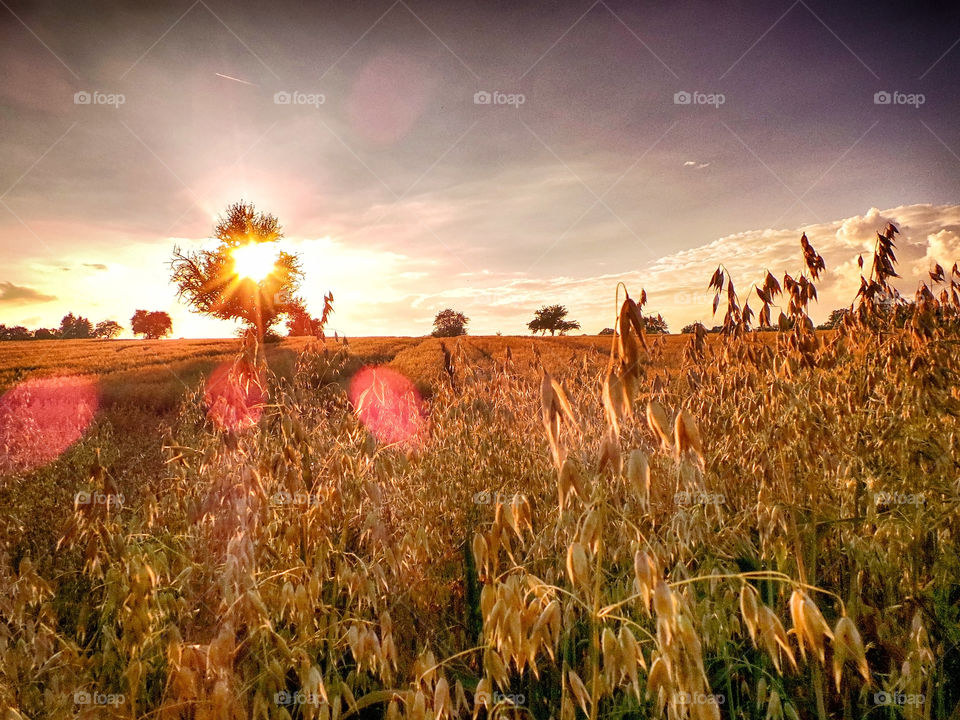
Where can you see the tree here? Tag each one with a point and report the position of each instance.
(18, 332)
(450, 323)
(607, 331)
(836, 317)
(551, 317)
(152, 325)
(107, 329)
(44, 334)
(655, 325)
(300, 324)
(691, 328)
(74, 327)
(216, 283)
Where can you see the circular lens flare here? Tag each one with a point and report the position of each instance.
(42, 417)
(389, 405)
(255, 260)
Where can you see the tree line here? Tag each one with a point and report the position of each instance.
(150, 325)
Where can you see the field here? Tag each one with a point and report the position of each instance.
(753, 525)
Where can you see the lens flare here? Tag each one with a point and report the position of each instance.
(255, 260)
(389, 405)
(41, 418)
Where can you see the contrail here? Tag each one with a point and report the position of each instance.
(227, 77)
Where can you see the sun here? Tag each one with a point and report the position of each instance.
(255, 260)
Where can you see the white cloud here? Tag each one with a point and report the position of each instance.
(676, 284)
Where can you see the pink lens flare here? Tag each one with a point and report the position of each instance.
(235, 395)
(40, 418)
(389, 96)
(389, 405)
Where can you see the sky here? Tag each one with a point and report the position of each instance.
(487, 156)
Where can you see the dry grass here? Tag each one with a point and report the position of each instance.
(756, 526)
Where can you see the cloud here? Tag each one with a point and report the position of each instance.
(676, 283)
(696, 165)
(95, 266)
(21, 295)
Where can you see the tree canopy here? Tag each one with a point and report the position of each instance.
(152, 325)
(212, 283)
(75, 327)
(107, 329)
(450, 323)
(552, 318)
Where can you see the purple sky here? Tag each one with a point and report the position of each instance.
(405, 195)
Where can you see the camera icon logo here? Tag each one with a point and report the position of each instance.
(882, 97)
(682, 97)
(281, 98)
(882, 698)
(82, 697)
(81, 98)
(482, 97)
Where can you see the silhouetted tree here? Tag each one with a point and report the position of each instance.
(44, 334)
(655, 325)
(151, 325)
(17, 332)
(450, 323)
(107, 329)
(551, 318)
(211, 285)
(300, 324)
(607, 331)
(75, 327)
(691, 328)
(836, 317)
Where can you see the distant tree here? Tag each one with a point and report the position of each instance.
(836, 317)
(151, 325)
(44, 334)
(655, 325)
(107, 329)
(551, 317)
(213, 281)
(450, 323)
(691, 328)
(17, 332)
(607, 331)
(75, 327)
(300, 324)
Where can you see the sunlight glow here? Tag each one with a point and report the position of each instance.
(255, 260)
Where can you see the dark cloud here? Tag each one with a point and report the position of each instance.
(95, 266)
(20, 295)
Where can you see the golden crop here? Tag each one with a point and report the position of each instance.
(760, 526)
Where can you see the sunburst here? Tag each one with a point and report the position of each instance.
(255, 260)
